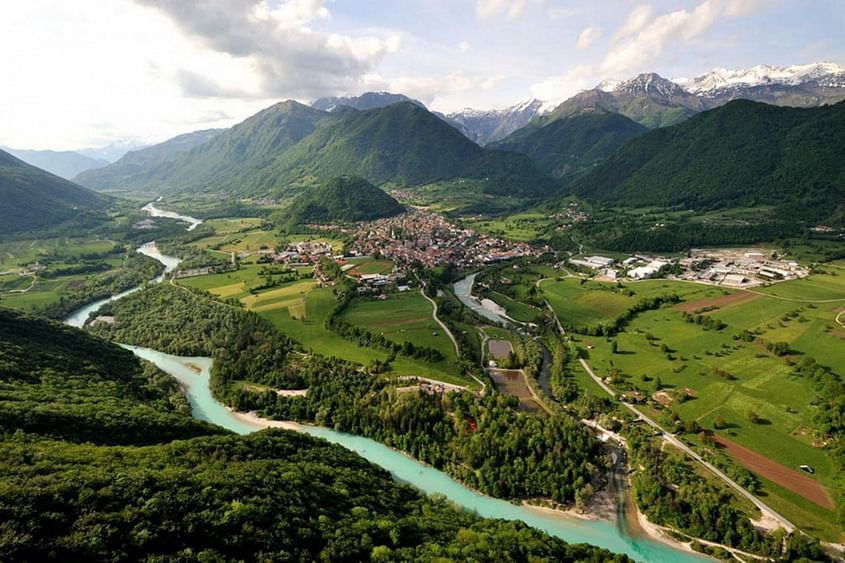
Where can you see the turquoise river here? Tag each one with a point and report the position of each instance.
(610, 535)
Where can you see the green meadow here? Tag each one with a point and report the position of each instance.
(708, 376)
(402, 317)
(310, 330)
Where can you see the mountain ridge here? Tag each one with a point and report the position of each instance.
(31, 198)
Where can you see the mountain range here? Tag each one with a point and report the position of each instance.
(65, 164)
(743, 154)
(31, 198)
(290, 145)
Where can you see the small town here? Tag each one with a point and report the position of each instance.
(430, 239)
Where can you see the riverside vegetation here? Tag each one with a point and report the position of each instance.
(109, 465)
(504, 453)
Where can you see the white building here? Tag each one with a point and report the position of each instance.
(647, 271)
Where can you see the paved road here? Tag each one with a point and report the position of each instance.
(673, 440)
(449, 334)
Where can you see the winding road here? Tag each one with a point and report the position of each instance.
(670, 438)
(448, 333)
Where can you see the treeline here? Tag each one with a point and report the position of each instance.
(830, 414)
(670, 492)
(682, 236)
(136, 270)
(705, 321)
(178, 320)
(79, 488)
(612, 327)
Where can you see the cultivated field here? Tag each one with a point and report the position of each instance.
(366, 266)
(735, 386)
(402, 317)
(311, 331)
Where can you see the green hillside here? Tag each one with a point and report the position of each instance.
(136, 165)
(348, 198)
(292, 145)
(648, 110)
(566, 145)
(31, 198)
(224, 162)
(743, 154)
(102, 462)
(399, 144)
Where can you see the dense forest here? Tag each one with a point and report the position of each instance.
(342, 199)
(743, 154)
(95, 474)
(504, 453)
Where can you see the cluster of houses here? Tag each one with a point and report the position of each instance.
(302, 253)
(429, 238)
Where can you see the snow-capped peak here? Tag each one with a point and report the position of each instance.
(608, 85)
(826, 73)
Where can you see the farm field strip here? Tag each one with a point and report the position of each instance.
(784, 476)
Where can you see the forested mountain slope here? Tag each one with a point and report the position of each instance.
(78, 488)
(138, 164)
(567, 145)
(740, 155)
(290, 145)
(31, 198)
(347, 198)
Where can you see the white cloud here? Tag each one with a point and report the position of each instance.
(558, 13)
(635, 22)
(513, 9)
(463, 46)
(290, 58)
(587, 37)
(559, 88)
(642, 39)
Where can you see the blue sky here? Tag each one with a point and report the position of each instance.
(92, 71)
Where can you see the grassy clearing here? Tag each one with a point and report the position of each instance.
(584, 304)
(822, 286)
(15, 255)
(402, 317)
(311, 331)
(518, 227)
(517, 310)
(238, 284)
(708, 376)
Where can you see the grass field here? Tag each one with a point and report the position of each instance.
(586, 304)
(402, 317)
(235, 284)
(311, 331)
(517, 310)
(714, 379)
(519, 227)
(15, 255)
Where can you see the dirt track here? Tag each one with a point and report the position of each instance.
(723, 301)
(787, 478)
